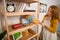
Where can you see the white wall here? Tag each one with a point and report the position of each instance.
(48, 2)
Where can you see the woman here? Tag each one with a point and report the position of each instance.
(49, 30)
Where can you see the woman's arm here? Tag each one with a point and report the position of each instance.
(52, 29)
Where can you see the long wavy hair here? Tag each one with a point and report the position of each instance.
(54, 12)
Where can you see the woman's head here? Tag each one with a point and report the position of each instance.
(47, 17)
(53, 11)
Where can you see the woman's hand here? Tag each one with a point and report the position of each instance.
(37, 21)
(45, 25)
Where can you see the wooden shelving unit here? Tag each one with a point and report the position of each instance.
(9, 29)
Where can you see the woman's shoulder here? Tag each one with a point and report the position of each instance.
(55, 20)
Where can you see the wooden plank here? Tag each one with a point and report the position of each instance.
(25, 1)
(20, 13)
(37, 37)
(31, 31)
(4, 2)
(12, 31)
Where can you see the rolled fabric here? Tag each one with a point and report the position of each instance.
(16, 26)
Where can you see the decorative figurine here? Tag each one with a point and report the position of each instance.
(10, 7)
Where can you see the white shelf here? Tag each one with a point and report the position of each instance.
(20, 13)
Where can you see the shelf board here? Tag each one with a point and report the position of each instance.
(12, 31)
(25, 1)
(31, 34)
(20, 13)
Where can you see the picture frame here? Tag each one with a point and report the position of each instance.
(29, 8)
(43, 8)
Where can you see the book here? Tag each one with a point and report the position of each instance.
(17, 36)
